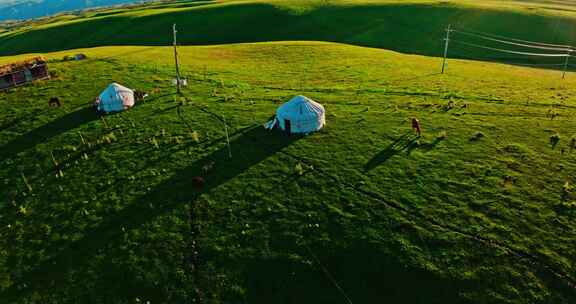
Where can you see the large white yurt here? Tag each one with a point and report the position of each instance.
(299, 115)
(115, 98)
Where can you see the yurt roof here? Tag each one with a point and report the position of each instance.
(117, 87)
(301, 105)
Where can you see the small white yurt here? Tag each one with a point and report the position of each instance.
(115, 98)
(299, 115)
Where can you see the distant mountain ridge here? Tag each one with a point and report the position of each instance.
(26, 9)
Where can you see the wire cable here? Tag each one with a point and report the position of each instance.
(518, 61)
(518, 40)
(570, 49)
(328, 275)
(510, 51)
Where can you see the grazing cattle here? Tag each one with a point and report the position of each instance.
(140, 95)
(54, 102)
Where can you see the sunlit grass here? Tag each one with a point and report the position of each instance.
(65, 172)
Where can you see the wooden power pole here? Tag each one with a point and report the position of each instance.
(446, 43)
(178, 81)
(566, 64)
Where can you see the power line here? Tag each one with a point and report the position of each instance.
(566, 49)
(518, 40)
(511, 51)
(562, 51)
(328, 275)
(519, 61)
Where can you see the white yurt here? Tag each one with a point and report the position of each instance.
(115, 98)
(299, 115)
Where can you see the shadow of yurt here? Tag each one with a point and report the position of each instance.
(42, 134)
(248, 148)
(114, 99)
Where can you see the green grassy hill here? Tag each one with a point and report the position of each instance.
(415, 27)
(103, 209)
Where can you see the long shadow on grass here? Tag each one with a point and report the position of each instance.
(399, 145)
(61, 125)
(366, 273)
(424, 147)
(45, 132)
(12, 123)
(250, 148)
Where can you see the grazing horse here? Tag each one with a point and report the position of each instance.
(416, 126)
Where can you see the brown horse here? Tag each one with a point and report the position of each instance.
(416, 126)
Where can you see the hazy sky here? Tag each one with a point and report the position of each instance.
(24, 9)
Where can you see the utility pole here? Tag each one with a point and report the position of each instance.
(178, 81)
(447, 42)
(566, 63)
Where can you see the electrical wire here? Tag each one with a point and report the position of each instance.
(328, 274)
(569, 49)
(510, 51)
(503, 60)
(518, 40)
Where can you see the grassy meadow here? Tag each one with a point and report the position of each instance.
(90, 200)
(480, 209)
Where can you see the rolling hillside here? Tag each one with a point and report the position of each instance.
(103, 209)
(415, 27)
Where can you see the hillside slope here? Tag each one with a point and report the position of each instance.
(407, 26)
